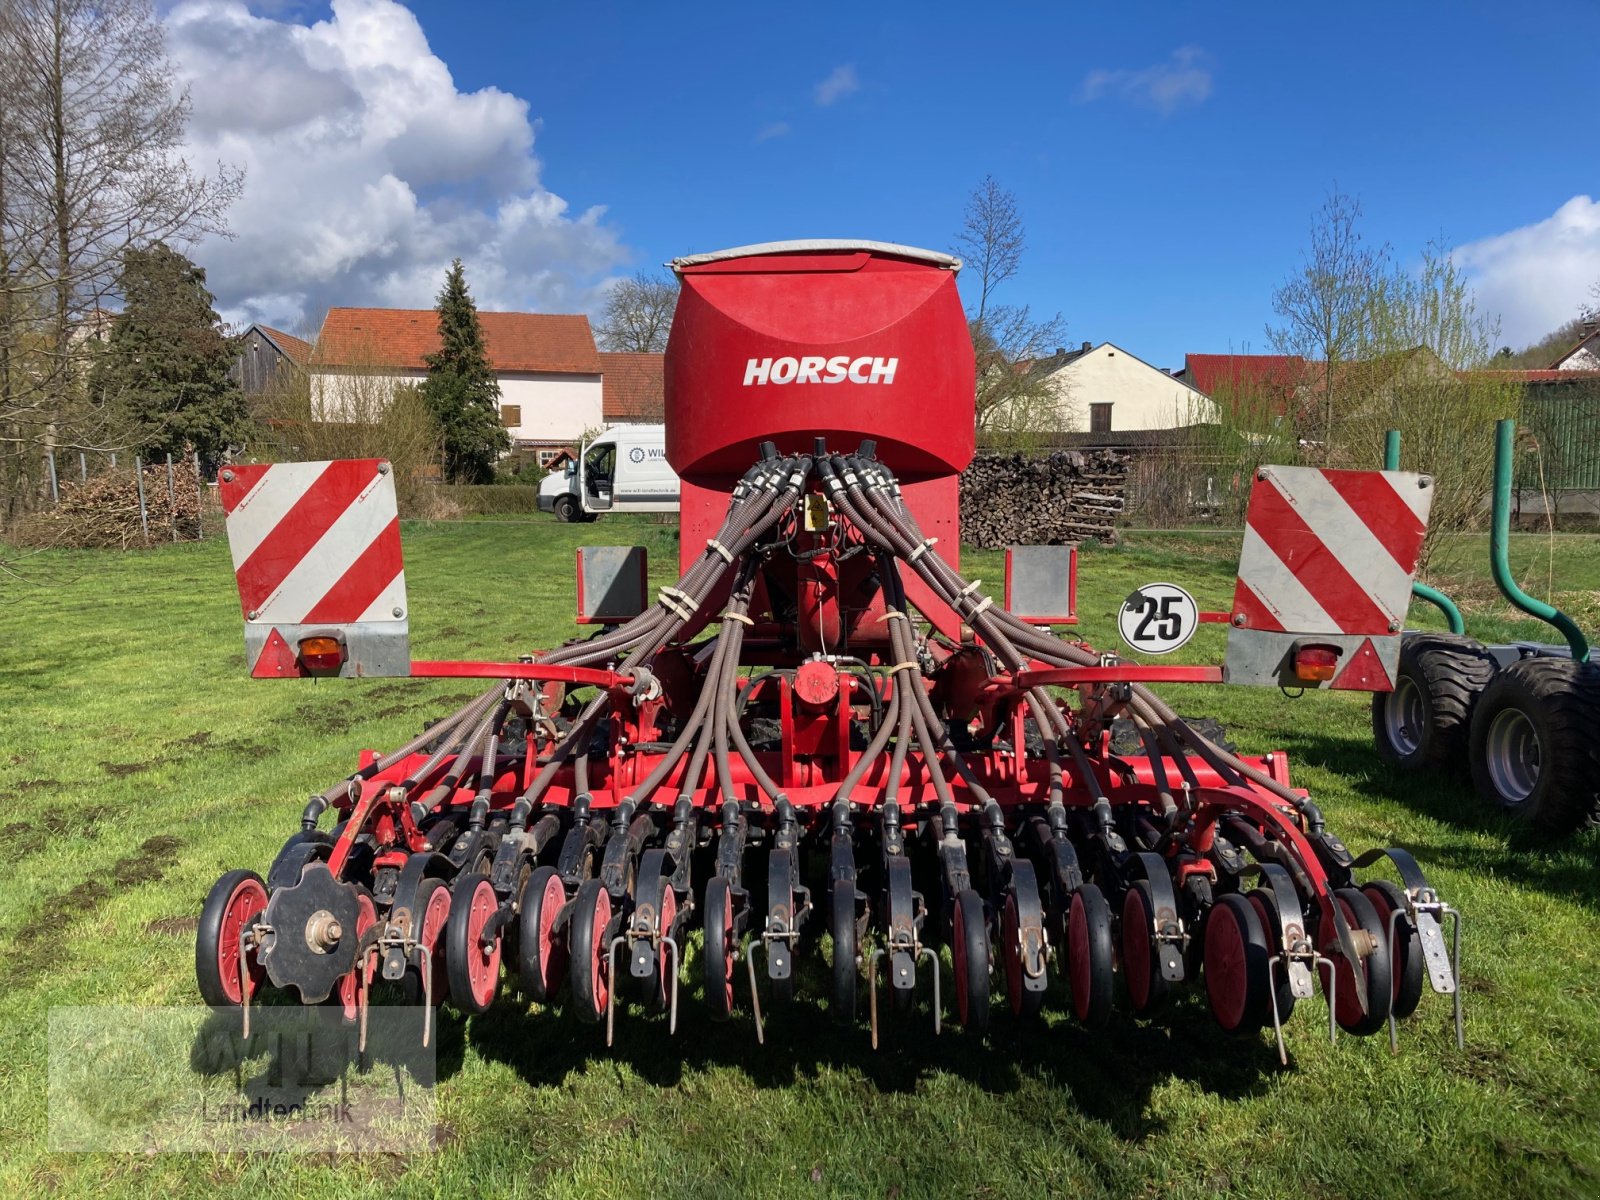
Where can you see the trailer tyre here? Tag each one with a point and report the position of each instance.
(1534, 750)
(1424, 722)
(566, 510)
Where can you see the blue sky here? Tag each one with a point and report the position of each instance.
(1167, 158)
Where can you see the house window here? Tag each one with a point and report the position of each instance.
(511, 415)
(546, 457)
(1100, 418)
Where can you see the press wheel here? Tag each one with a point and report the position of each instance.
(1089, 956)
(969, 958)
(231, 907)
(719, 947)
(586, 940)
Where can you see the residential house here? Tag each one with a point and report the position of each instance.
(1104, 389)
(266, 355)
(546, 364)
(1585, 356)
(632, 390)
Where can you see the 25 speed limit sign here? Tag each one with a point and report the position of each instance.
(1158, 618)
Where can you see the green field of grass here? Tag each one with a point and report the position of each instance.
(137, 763)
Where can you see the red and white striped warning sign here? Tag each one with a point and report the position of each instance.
(1331, 554)
(315, 543)
(1330, 551)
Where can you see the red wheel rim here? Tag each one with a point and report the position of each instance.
(958, 960)
(1012, 949)
(483, 966)
(1347, 1009)
(1227, 979)
(727, 945)
(1078, 956)
(246, 903)
(434, 918)
(669, 912)
(1385, 910)
(598, 948)
(550, 905)
(1136, 947)
(349, 994)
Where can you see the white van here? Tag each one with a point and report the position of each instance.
(624, 469)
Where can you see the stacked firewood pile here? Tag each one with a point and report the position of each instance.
(1068, 496)
(103, 512)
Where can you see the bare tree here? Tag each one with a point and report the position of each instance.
(1017, 401)
(1326, 308)
(92, 133)
(991, 240)
(638, 313)
(1423, 353)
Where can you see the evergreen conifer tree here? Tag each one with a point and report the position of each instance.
(167, 359)
(461, 391)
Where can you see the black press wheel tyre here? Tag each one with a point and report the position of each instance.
(1090, 956)
(541, 952)
(719, 947)
(1141, 963)
(969, 960)
(1405, 948)
(1235, 970)
(566, 510)
(473, 968)
(586, 942)
(1424, 722)
(1362, 917)
(1535, 747)
(235, 901)
(846, 973)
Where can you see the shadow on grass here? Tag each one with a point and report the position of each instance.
(1109, 1075)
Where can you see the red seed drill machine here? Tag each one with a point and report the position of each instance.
(824, 755)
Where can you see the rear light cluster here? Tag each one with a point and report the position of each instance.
(321, 655)
(1315, 664)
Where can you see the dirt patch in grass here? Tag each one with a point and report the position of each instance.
(311, 717)
(123, 770)
(173, 926)
(198, 738)
(148, 865)
(252, 751)
(35, 785)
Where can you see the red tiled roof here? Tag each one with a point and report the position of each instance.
(1211, 372)
(401, 337)
(632, 388)
(298, 350)
(1537, 375)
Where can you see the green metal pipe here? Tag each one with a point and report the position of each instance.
(1452, 614)
(1505, 433)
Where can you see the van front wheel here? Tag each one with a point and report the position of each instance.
(566, 510)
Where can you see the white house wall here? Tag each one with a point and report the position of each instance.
(1141, 397)
(555, 407)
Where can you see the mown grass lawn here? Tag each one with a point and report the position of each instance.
(137, 763)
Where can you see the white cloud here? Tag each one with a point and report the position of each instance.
(1185, 78)
(777, 129)
(1537, 277)
(367, 170)
(839, 84)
